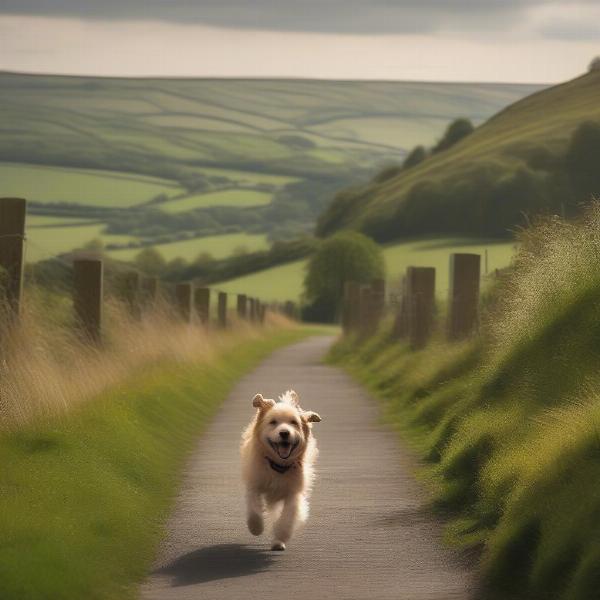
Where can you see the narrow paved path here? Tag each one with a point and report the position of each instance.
(368, 536)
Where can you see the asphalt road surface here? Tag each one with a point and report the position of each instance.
(369, 535)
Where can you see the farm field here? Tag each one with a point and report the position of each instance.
(218, 246)
(279, 149)
(91, 187)
(285, 282)
(237, 197)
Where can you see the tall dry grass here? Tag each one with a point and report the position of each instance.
(47, 367)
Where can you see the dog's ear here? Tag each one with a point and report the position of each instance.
(312, 417)
(262, 403)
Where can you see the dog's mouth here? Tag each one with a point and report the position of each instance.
(283, 449)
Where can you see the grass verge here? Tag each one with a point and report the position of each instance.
(83, 499)
(508, 424)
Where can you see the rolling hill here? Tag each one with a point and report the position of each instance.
(160, 161)
(538, 155)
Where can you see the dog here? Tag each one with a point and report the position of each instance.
(278, 455)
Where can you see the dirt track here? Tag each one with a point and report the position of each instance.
(368, 536)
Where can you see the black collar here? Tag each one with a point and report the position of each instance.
(279, 468)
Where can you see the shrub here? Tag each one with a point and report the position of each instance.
(417, 155)
(345, 256)
(455, 132)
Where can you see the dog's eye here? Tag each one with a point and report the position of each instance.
(273, 422)
(294, 423)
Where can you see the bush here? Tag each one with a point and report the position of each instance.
(456, 131)
(582, 161)
(346, 256)
(415, 156)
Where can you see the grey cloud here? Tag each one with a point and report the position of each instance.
(331, 16)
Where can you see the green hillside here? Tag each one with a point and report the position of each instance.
(163, 160)
(525, 159)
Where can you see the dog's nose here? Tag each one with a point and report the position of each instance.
(284, 433)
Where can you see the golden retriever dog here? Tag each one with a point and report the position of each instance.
(278, 455)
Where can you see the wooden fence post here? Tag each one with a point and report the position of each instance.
(222, 309)
(183, 296)
(87, 297)
(420, 294)
(242, 302)
(262, 311)
(12, 238)
(365, 309)
(202, 304)
(149, 291)
(252, 309)
(401, 321)
(290, 309)
(465, 271)
(130, 292)
(377, 301)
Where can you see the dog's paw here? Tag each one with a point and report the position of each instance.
(278, 546)
(255, 524)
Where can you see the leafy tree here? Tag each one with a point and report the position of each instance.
(417, 155)
(582, 161)
(595, 64)
(345, 256)
(150, 261)
(455, 132)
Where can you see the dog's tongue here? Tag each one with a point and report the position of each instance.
(284, 451)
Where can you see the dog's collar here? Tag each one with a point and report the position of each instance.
(277, 467)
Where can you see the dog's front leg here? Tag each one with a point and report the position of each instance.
(284, 526)
(256, 509)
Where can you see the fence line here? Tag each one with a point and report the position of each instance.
(137, 292)
(363, 304)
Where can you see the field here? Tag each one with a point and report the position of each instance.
(44, 184)
(513, 164)
(218, 246)
(195, 157)
(237, 197)
(285, 282)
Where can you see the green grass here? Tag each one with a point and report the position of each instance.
(80, 186)
(234, 197)
(85, 497)
(46, 242)
(218, 246)
(286, 282)
(508, 423)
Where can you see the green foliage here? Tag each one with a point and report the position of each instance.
(455, 132)
(344, 257)
(509, 422)
(150, 261)
(538, 156)
(417, 155)
(85, 497)
(582, 161)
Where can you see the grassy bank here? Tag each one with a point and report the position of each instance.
(84, 495)
(508, 424)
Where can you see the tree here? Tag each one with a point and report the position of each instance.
(343, 257)
(456, 131)
(582, 161)
(150, 261)
(417, 155)
(595, 64)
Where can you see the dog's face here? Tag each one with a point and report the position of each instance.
(283, 427)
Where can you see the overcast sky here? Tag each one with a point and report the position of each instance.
(456, 40)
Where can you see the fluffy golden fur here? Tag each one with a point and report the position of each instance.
(278, 455)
